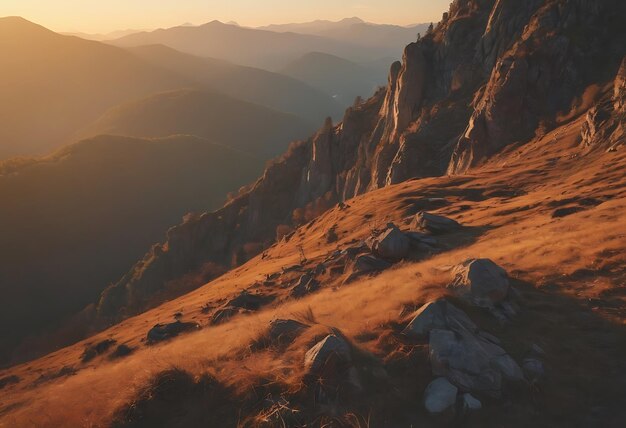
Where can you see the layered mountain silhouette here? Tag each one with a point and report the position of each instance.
(258, 86)
(342, 79)
(62, 83)
(72, 222)
(271, 49)
(240, 125)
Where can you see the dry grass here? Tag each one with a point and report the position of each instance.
(548, 258)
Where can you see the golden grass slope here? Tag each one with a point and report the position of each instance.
(570, 271)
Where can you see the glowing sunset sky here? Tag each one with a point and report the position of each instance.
(109, 15)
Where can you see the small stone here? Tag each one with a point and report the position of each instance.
(469, 402)
(392, 244)
(439, 396)
(331, 347)
(432, 223)
(508, 367)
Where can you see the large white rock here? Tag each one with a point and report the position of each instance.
(439, 396)
(482, 281)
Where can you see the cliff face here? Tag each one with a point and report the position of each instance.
(486, 77)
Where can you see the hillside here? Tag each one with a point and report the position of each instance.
(87, 212)
(243, 126)
(257, 86)
(450, 254)
(248, 46)
(344, 80)
(55, 84)
(423, 124)
(232, 371)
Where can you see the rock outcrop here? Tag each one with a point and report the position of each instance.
(485, 77)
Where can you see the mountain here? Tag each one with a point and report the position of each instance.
(451, 253)
(246, 83)
(425, 123)
(356, 31)
(240, 125)
(55, 84)
(343, 79)
(88, 211)
(100, 37)
(247, 46)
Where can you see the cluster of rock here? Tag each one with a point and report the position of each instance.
(466, 360)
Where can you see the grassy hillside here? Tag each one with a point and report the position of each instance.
(241, 125)
(75, 221)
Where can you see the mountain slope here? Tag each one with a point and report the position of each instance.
(55, 84)
(343, 79)
(247, 127)
(246, 83)
(413, 129)
(87, 212)
(233, 372)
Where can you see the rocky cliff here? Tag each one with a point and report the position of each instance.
(489, 75)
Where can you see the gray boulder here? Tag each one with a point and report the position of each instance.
(469, 402)
(367, 263)
(482, 281)
(534, 368)
(439, 314)
(463, 361)
(332, 347)
(439, 396)
(434, 224)
(391, 244)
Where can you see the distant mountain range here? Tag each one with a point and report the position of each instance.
(273, 47)
(247, 127)
(54, 85)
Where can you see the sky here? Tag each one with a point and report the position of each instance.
(101, 16)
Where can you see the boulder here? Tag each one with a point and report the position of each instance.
(439, 396)
(245, 300)
(463, 361)
(285, 330)
(332, 348)
(469, 402)
(93, 350)
(482, 281)
(508, 367)
(434, 224)
(306, 284)
(534, 368)
(367, 263)
(225, 313)
(392, 244)
(421, 240)
(161, 332)
(439, 314)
